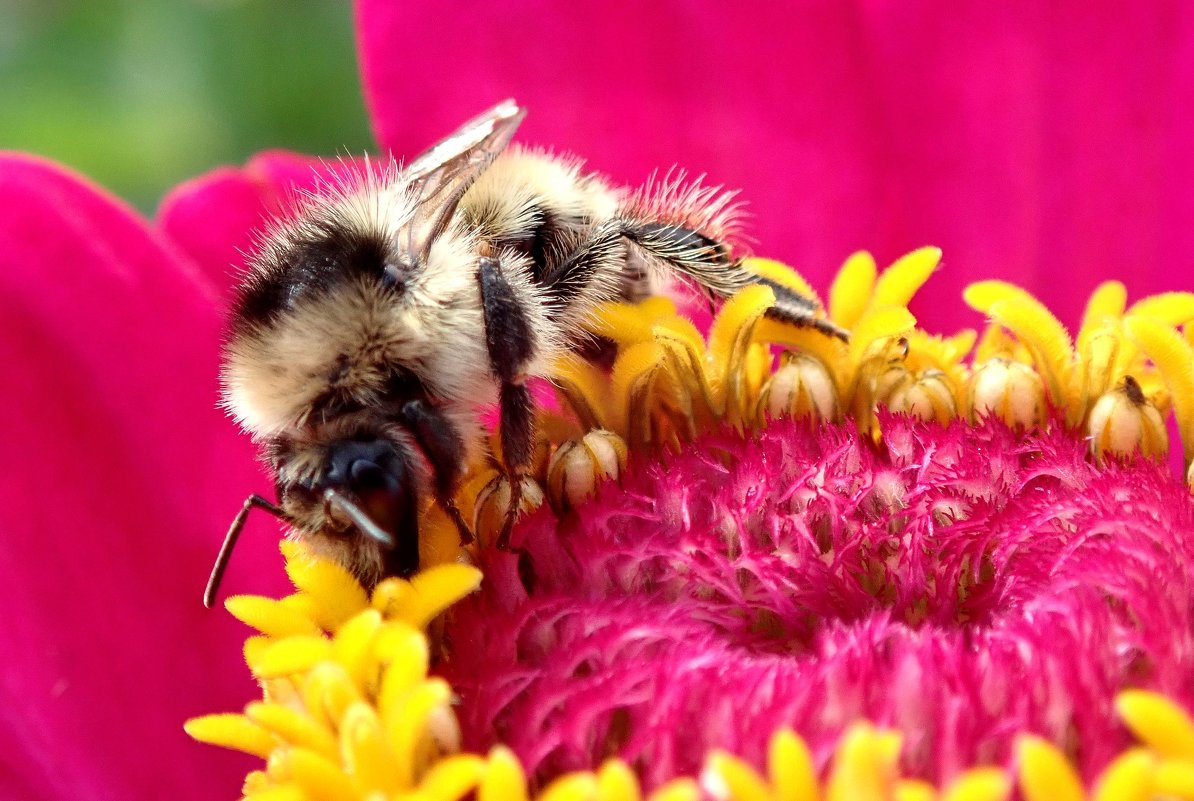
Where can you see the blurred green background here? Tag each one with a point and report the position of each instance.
(142, 95)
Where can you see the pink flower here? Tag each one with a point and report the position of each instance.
(1028, 147)
(119, 475)
(963, 585)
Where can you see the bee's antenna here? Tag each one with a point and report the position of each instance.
(358, 517)
(238, 523)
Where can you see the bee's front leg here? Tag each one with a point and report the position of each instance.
(444, 449)
(511, 343)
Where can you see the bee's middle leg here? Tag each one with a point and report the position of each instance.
(511, 343)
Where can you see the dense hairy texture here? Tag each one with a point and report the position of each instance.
(960, 584)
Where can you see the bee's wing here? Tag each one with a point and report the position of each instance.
(466, 152)
(441, 175)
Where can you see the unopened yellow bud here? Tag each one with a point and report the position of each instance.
(1009, 390)
(928, 396)
(1190, 476)
(802, 389)
(493, 502)
(578, 466)
(1123, 421)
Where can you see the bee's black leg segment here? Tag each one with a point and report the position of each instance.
(511, 347)
(517, 426)
(442, 445)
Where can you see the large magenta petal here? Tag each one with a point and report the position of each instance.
(1046, 146)
(119, 477)
(215, 216)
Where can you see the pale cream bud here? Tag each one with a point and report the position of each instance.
(1009, 390)
(578, 466)
(1190, 476)
(928, 397)
(493, 501)
(1123, 421)
(802, 389)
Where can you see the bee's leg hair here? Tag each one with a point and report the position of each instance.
(711, 266)
(444, 449)
(511, 346)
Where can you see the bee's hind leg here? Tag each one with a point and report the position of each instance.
(511, 344)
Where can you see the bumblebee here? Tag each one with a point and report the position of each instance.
(381, 317)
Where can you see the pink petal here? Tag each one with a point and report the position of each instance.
(213, 217)
(1047, 146)
(120, 477)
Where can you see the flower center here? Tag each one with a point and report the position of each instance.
(959, 583)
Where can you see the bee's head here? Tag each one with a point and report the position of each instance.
(353, 489)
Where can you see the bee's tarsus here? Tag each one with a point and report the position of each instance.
(225, 554)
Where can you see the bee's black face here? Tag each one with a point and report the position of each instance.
(358, 496)
(374, 476)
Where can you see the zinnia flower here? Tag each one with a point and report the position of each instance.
(877, 128)
(986, 593)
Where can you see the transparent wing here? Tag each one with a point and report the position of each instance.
(440, 176)
(449, 167)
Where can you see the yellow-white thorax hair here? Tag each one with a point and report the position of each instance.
(317, 328)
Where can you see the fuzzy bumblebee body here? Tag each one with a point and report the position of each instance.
(378, 320)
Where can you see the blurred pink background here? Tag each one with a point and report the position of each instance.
(1043, 145)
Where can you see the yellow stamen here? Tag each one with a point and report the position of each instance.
(852, 289)
(905, 277)
(726, 777)
(1158, 722)
(979, 784)
(914, 790)
(1174, 779)
(504, 779)
(864, 766)
(684, 789)
(1129, 777)
(270, 617)
(1045, 773)
(801, 389)
(1106, 305)
(232, 731)
(337, 594)
(1035, 326)
(790, 768)
(616, 782)
(293, 726)
(1174, 357)
(571, 787)
(290, 655)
